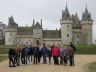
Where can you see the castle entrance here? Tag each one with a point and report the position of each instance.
(38, 42)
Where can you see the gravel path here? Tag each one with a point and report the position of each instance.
(80, 61)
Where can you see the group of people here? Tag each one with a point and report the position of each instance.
(34, 54)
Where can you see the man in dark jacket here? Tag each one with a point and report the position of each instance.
(35, 53)
(30, 52)
(44, 53)
(71, 55)
(11, 55)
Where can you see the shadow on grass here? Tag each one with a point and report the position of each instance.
(2, 58)
(91, 67)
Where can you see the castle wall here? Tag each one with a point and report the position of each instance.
(24, 39)
(8, 40)
(37, 33)
(76, 38)
(10, 36)
(52, 41)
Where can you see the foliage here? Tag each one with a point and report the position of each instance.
(85, 49)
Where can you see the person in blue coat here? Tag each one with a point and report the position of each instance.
(44, 53)
(26, 50)
(35, 53)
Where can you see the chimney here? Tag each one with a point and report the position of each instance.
(33, 22)
(41, 22)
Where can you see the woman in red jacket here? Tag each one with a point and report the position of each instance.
(56, 54)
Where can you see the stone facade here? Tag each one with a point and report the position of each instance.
(72, 30)
(2, 33)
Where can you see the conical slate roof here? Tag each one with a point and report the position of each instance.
(66, 14)
(76, 22)
(86, 15)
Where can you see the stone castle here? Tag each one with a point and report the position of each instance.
(72, 30)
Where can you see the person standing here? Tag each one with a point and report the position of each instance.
(31, 52)
(18, 53)
(74, 48)
(35, 53)
(49, 53)
(71, 55)
(26, 51)
(11, 55)
(44, 54)
(61, 56)
(56, 54)
(65, 55)
(40, 54)
(22, 55)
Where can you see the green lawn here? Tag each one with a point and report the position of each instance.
(5, 48)
(91, 67)
(2, 58)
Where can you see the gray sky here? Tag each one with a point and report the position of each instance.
(24, 11)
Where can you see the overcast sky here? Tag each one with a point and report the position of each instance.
(24, 11)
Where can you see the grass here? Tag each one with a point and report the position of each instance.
(5, 48)
(2, 58)
(91, 67)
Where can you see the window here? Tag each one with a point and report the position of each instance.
(77, 36)
(9, 39)
(77, 42)
(67, 35)
(67, 25)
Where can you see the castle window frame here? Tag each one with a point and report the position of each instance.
(77, 42)
(77, 36)
(9, 40)
(67, 35)
(67, 25)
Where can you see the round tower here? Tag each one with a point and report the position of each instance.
(86, 27)
(66, 27)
